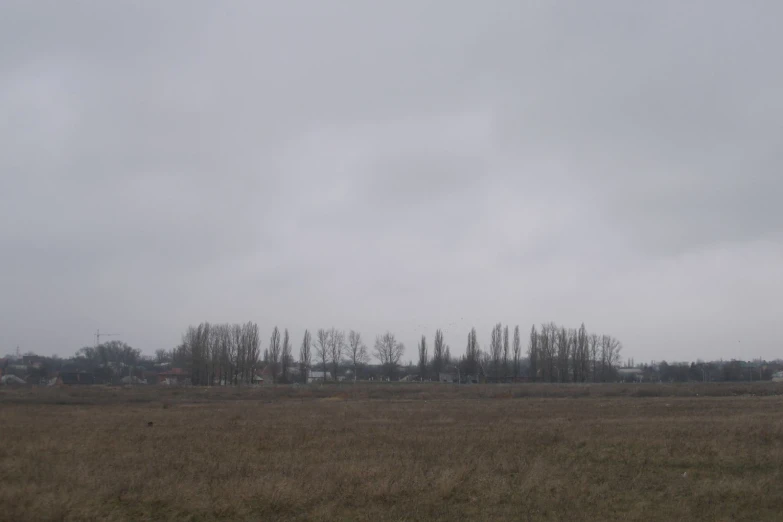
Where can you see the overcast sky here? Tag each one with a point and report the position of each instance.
(397, 166)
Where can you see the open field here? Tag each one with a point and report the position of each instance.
(405, 452)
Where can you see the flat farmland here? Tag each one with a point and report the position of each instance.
(391, 453)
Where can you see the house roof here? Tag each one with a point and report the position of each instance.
(135, 380)
(174, 372)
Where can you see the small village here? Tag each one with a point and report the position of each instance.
(37, 370)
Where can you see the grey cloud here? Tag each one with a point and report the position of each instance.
(401, 166)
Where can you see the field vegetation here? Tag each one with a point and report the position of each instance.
(393, 452)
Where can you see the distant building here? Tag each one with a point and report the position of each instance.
(173, 377)
(132, 380)
(33, 361)
(777, 377)
(74, 378)
(447, 377)
(319, 377)
(630, 374)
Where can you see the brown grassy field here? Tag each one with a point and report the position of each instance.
(406, 452)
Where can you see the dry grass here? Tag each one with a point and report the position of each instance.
(416, 452)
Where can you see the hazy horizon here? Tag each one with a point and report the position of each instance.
(403, 166)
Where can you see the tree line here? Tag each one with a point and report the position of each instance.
(559, 354)
(552, 354)
(230, 355)
(223, 353)
(331, 349)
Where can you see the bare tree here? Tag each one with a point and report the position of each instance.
(504, 372)
(237, 354)
(471, 366)
(610, 355)
(181, 357)
(389, 352)
(305, 356)
(517, 351)
(252, 347)
(238, 334)
(214, 353)
(496, 351)
(274, 353)
(549, 351)
(162, 356)
(447, 357)
(533, 351)
(357, 351)
(562, 355)
(231, 353)
(196, 342)
(285, 357)
(573, 348)
(322, 347)
(224, 341)
(423, 359)
(579, 355)
(247, 344)
(336, 349)
(485, 363)
(438, 355)
(593, 347)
